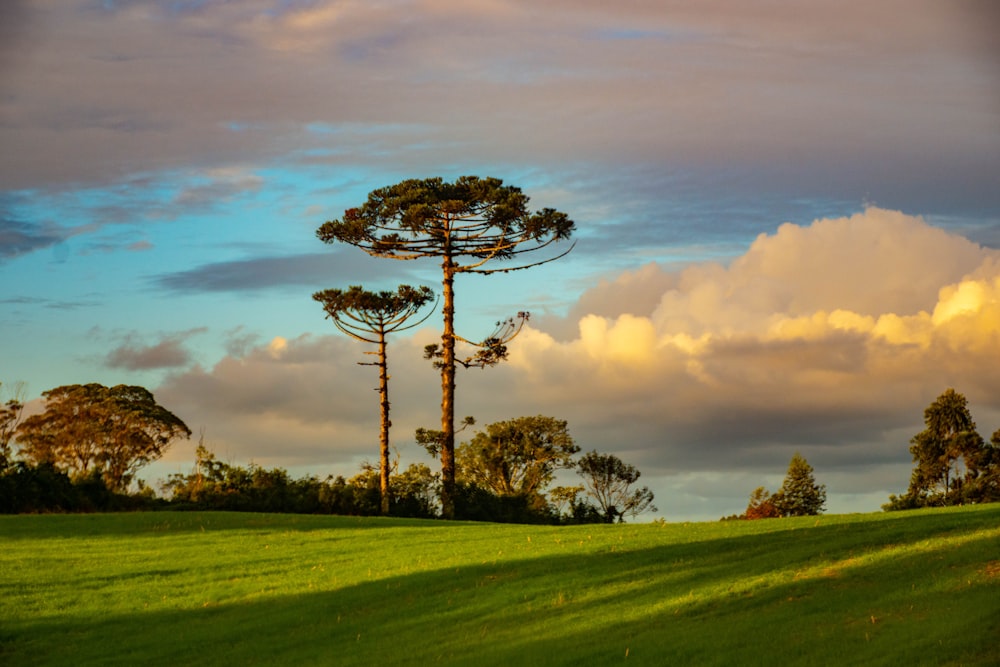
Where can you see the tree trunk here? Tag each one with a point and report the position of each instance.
(448, 393)
(383, 388)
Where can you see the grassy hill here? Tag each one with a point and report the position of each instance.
(913, 588)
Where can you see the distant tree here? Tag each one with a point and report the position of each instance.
(414, 492)
(91, 428)
(946, 453)
(11, 413)
(564, 498)
(517, 457)
(761, 505)
(800, 495)
(370, 317)
(467, 224)
(608, 480)
(988, 483)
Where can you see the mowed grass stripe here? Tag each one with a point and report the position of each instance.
(914, 588)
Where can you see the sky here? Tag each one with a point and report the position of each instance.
(788, 223)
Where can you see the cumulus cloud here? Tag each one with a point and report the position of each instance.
(819, 335)
(828, 338)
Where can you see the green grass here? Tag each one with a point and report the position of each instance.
(913, 588)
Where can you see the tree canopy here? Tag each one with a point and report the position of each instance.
(948, 441)
(800, 495)
(369, 316)
(467, 224)
(91, 428)
(517, 457)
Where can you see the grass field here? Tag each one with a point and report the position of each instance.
(911, 588)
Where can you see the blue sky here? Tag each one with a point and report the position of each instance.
(788, 222)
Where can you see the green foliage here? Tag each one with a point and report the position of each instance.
(608, 480)
(952, 463)
(215, 485)
(91, 428)
(517, 457)
(29, 489)
(362, 314)
(11, 412)
(949, 438)
(198, 588)
(471, 220)
(475, 503)
(799, 495)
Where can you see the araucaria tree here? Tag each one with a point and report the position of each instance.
(939, 451)
(467, 224)
(800, 495)
(608, 480)
(370, 317)
(91, 428)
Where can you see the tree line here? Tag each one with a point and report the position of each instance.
(81, 454)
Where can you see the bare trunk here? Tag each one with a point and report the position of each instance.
(448, 393)
(383, 388)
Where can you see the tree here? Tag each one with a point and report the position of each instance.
(800, 495)
(608, 480)
(91, 428)
(517, 457)
(11, 413)
(988, 483)
(370, 317)
(564, 498)
(467, 224)
(947, 444)
(761, 505)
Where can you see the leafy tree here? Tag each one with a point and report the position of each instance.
(91, 428)
(11, 413)
(800, 495)
(608, 480)
(517, 457)
(761, 505)
(564, 498)
(466, 224)
(988, 484)
(414, 492)
(370, 317)
(940, 450)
